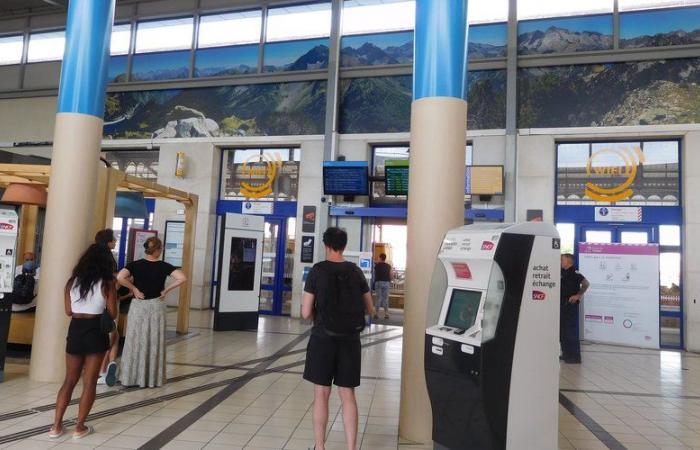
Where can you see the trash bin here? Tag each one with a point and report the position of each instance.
(5, 315)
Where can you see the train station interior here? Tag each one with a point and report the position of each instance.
(539, 140)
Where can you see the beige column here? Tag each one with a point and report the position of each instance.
(71, 201)
(435, 205)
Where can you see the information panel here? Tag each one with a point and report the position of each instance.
(345, 178)
(622, 304)
(484, 180)
(174, 242)
(396, 172)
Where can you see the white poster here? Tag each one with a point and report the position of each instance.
(622, 304)
(174, 242)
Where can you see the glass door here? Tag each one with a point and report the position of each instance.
(278, 266)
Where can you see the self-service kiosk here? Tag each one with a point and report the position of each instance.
(491, 343)
(240, 270)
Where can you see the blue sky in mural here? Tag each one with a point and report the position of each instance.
(283, 55)
(226, 60)
(601, 24)
(382, 40)
(493, 34)
(160, 66)
(649, 23)
(117, 67)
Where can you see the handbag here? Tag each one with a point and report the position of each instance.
(106, 322)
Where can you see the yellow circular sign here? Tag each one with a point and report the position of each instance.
(630, 159)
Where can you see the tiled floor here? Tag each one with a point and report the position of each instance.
(225, 392)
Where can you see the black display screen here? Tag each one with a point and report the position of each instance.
(345, 178)
(241, 276)
(464, 306)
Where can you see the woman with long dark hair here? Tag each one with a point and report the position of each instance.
(89, 291)
(143, 358)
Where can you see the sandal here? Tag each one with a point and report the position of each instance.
(79, 435)
(53, 434)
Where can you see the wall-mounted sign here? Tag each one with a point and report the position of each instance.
(618, 214)
(622, 304)
(258, 208)
(261, 172)
(307, 249)
(174, 242)
(534, 215)
(308, 222)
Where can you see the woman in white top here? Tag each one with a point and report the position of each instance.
(89, 291)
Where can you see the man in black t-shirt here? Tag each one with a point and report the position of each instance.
(382, 284)
(573, 285)
(333, 358)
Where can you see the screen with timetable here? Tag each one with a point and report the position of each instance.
(464, 306)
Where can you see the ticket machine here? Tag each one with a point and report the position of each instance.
(491, 342)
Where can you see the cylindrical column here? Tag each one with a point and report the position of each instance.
(74, 162)
(436, 184)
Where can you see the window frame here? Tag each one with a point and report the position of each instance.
(266, 38)
(263, 18)
(139, 22)
(28, 43)
(24, 45)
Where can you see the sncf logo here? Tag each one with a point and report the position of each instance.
(487, 245)
(538, 295)
(6, 226)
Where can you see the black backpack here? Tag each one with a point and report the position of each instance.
(23, 288)
(343, 311)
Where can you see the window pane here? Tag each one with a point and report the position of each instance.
(46, 46)
(371, 16)
(121, 38)
(485, 11)
(565, 35)
(669, 235)
(567, 232)
(676, 26)
(634, 237)
(230, 29)
(598, 237)
(670, 279)
(155, 36)
(11, 49)
(531, 9)
(299, 22)
(255, 173)
(630, 5)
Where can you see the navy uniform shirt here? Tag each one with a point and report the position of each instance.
(571, 281)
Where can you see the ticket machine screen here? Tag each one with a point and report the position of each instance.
(464, 306)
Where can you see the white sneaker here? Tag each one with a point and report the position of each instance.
(101, 380)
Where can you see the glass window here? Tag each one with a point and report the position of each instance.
(372, 16)
(121, 39)
(670, 280)
(299, 22)
(249, 173)
(621, 173)
(670, 235)
(632, 5)
(598, 236)
(567, 232)
(230, 29)
(46, 46)
(565, 35)
(161, 35)
(532, 9)
(487, 11)
(659, 28)
(634, 237)
(11, 49)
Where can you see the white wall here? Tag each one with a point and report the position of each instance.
(691, 239)
(535, 184)
(27, 119)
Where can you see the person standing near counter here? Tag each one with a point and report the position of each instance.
(143, 358)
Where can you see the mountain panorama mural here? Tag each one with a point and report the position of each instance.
(679, 26)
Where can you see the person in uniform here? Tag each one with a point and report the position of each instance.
(573, 285)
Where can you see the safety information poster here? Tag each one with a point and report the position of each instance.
(622, 304)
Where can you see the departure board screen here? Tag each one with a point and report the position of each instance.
(484, 180)
(464, 306)
(396, 177)
(345, 178)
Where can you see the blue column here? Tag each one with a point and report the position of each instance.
(440, 52)
(86, 59)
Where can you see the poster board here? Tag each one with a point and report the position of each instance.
(622, 304)
(138, 237)
(174, 242)
(9, 228)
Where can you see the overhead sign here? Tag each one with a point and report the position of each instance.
(622, 304)
(618, 214)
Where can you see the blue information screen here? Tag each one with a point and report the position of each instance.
(345, 178)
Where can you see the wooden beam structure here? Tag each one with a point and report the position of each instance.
(111, 181)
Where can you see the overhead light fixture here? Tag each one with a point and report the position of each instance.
(130, 205)
(25, 194)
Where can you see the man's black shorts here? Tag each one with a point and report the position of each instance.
(333, 360)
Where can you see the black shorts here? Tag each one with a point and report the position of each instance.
(333, 360)
(85, 337)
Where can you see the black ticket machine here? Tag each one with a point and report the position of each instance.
(491, 342)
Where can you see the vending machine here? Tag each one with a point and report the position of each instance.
(491, 342)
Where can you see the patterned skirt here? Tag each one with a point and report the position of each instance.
(143, 357)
